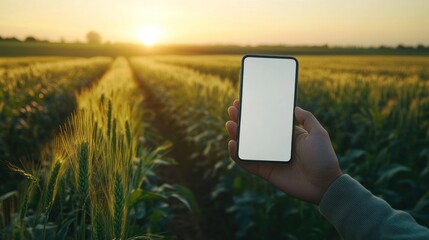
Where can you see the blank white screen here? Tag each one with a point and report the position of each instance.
(267, 106)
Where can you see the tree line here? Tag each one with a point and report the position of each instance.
(94, 37)
(91, 37)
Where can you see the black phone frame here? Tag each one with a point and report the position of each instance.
(293, 114)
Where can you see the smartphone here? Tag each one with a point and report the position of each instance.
(267, 102)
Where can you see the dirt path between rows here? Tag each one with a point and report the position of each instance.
(184, 224)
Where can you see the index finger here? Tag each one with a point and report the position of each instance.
(309, 121)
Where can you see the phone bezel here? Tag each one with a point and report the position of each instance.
(293, 113)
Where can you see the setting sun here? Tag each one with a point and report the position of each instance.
(149, 35)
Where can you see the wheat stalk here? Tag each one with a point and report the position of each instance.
(51, 185)
(50, 192)
(109, 117)
(97, 228)
(95, 131)
(118, 206)
(114, 135)
(128, 132)
(83, 172)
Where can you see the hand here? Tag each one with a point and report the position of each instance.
(313, 167)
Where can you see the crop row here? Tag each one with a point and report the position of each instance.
(378, 123)
(227, 66)
(25, 61)
(36, 99)
(101, 183)
(224, 66)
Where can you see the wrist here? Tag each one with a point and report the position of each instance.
(326, 183)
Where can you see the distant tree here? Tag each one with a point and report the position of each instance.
(400, 46)
(31, 39)
(420, 47)
(93, 37)
(12, 39)
(383, 47)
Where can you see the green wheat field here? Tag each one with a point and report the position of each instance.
(135, 148)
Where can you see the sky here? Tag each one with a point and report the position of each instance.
(244, 22)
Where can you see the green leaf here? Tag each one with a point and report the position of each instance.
(164, 148)
(161, 162)
(141, 195)
(186, 197)
(62, 233)
(390, 171)
(156, 216)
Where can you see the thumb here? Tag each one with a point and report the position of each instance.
(309, 121)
